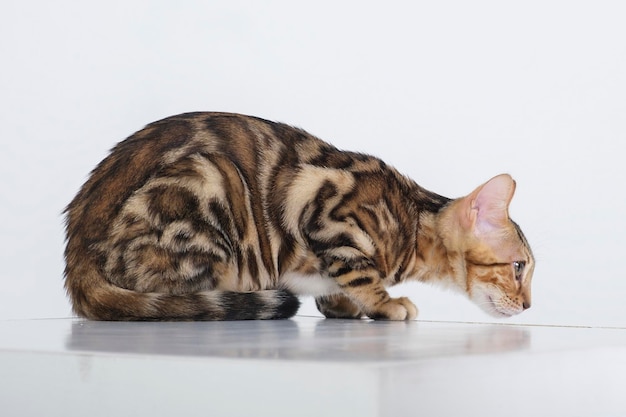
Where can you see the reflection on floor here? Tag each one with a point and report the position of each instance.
(309, 366)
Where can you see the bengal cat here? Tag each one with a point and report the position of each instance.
(217, 216)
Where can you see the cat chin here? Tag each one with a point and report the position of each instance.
(489, 305)
(495, 312)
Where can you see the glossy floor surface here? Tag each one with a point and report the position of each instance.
(309, 367)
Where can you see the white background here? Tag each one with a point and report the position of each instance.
(449, 92)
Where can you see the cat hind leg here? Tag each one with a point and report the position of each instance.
(338, 306)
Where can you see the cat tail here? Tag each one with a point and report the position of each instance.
(104, 301)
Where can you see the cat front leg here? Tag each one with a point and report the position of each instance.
(363, 288)
(395, 309)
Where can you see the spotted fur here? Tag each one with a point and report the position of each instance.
(216, 216)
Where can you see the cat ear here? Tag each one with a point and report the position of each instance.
(487, 207)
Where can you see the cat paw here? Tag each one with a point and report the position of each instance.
(395, 309)
(338, 307)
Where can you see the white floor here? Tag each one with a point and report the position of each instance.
(309, 367)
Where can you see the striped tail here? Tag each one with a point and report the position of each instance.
(97, 299)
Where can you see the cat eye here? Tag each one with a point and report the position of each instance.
(518, 268)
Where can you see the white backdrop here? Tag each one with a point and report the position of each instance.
(449, 92)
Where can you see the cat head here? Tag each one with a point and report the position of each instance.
(497, 260)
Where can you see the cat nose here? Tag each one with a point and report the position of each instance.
(526, 305)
